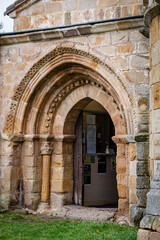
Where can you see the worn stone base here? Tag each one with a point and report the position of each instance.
(43, 208)
(85, 213)
(147, 235)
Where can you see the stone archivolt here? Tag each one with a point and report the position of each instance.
(37, 75)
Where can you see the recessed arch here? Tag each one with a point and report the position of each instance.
(82, 96)
(40, 71)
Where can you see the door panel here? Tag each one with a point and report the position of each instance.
(78, 198)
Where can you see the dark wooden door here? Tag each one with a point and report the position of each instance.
(78, 196)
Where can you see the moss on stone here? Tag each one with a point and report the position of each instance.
(142, 137)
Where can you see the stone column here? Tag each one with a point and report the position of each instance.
(62, 171)
(122, 169)
(151, 220)
(46, 150)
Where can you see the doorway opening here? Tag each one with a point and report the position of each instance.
(95, 183)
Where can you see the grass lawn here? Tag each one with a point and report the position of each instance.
(24, 227)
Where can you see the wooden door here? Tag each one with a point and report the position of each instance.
(78, 196)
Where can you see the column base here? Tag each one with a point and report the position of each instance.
(44, 208)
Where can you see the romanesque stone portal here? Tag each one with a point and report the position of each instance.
(50, 75)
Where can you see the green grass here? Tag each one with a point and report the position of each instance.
(65, 229)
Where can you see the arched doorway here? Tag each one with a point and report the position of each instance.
(42, 115)
(95, 182)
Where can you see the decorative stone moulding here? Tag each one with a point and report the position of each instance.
(64, 92)
(59, 51)
(59, 33)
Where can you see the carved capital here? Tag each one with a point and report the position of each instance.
(123, 139)
(46, 148)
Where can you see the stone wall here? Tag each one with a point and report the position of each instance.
(42, 14)
(121, 55)
(150, 224)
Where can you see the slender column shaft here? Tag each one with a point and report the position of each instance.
(45, 178)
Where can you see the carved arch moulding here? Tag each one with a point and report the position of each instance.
(62, 53)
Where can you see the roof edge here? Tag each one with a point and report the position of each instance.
(14, 6)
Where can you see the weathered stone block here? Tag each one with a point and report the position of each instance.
(142, 150)
(87, 4)
(156, 224)
(53, 7)
(147, 221)
(122, 191)
(11, 173)
(32, 173)
(32, 186)
(122, 179)
(154, 30)
(153, 202)
(31, 161)
(132, 182)
(141, 89)
(135, 76)
(143, 122)
(60, 199)
(121, 62)
(28, 148)
(142, 197)
(143, 182)
(31, 200)
(133, 167)
(69, 5)
(155, 53)
(155, 119)
(5, 200)
(143, 234)
(58, 148)
(155, 185)
(155, 236)
(125, 48)
(155, 74)
(143, 104)
(136, 214)
(132, 151)
(133, 196)
(139, 62)
(123, 205)
(119, 37)
(57, 173)
(156, 95)
(142, 168)
(143, 47)
(62, 186)
(107, 3)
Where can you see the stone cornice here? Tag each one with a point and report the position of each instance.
(54, 34)
(38, 137)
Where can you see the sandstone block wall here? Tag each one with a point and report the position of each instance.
(126, 51)
(122, 48)
(51, 13)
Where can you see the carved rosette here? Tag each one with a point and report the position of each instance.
(46, 148)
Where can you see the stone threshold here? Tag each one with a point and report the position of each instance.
(77, 31)
(76, 212)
